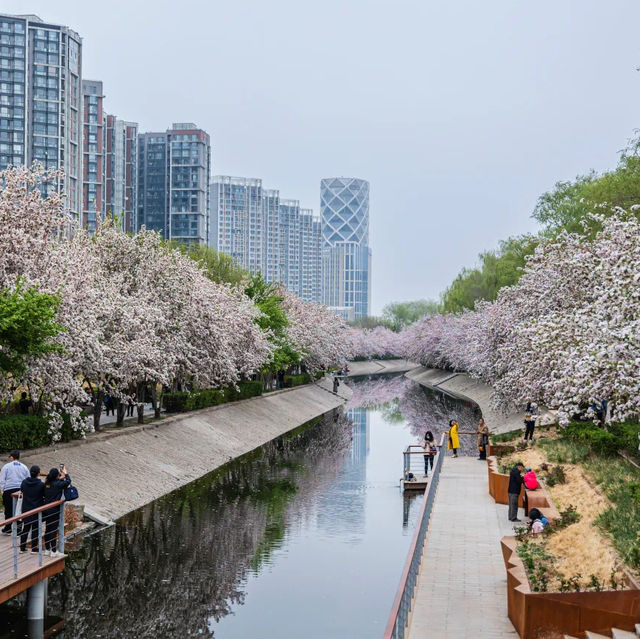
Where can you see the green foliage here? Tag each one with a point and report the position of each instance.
(509, 436)
(399, 315)
(567, 206)
(564, 451)
(218, 267)
(296, 380)
(27, 326)
(497, 269)
(568, 516)
(30, 431)
(599, 441)
(181, 402)
(273, 320)
(621, 484)
(556, 476)
(371, 322)
(537, 562)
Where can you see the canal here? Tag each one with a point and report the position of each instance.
(306, 536)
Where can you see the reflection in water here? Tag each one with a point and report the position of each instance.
(401, 400)
(305, 536)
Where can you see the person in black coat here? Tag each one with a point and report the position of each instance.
(54, 485)
(515, 486)
(32, 497)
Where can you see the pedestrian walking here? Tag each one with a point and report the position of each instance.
(483, 439)
(336, 383)
(429, 451)
(515, 487)
(32, 497)
(11, 477)
(57, 480)
(529, 426)
(131, 402)
(454, 440)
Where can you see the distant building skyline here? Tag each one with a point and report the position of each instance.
(267, 234)
(346, 256)
(160, 180)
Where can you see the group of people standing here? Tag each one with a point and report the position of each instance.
(15, 477)
(453, 442)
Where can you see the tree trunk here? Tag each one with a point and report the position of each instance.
(154, 399)
(120, 414)
(141, 402)
(98, 399)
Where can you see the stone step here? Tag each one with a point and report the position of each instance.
(596, 635)
(623, 634)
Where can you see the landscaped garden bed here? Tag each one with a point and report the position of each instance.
(581, 572)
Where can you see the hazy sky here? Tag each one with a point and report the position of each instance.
(459, 113)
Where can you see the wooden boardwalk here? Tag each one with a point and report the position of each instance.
(29, 570)
(462, 586)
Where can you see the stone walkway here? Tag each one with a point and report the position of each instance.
(461, 590)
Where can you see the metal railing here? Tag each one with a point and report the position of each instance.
(11, 557)
(413, 460)
(401, 609)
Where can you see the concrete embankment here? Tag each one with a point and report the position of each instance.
(465, 387)
(119, 471)
(380, 367)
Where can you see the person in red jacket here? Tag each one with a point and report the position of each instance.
(530, 479)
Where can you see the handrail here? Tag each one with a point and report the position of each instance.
(401, 607)
(35, 511)
(22, 537)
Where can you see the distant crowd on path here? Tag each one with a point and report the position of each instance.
(15, 477)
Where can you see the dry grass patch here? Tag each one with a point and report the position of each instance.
(580, 548)
(579, 552)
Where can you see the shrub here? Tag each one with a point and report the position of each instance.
(24, 431)
(296, 380)
(626, 434)
(182, 402)
(556, 476)
(599, 441)
(568, 516)
(175, 402)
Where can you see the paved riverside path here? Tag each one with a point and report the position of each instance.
(462, 586)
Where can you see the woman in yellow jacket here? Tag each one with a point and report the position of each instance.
(454, 441)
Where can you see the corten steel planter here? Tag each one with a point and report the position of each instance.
(499, 483)
(539, 498)
(538, 615)
(498, 449)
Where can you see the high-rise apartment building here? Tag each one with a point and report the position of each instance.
(271, 267)
(289, 223)
(41, 99)
(93, 169)
(346, 256)
(266, 234)
(173, 183)
(236, 225)
(310, 265)
(121, 175)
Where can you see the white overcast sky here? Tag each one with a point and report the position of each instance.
(459, 113)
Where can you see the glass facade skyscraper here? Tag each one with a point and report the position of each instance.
(41, 99)
(346, 256)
